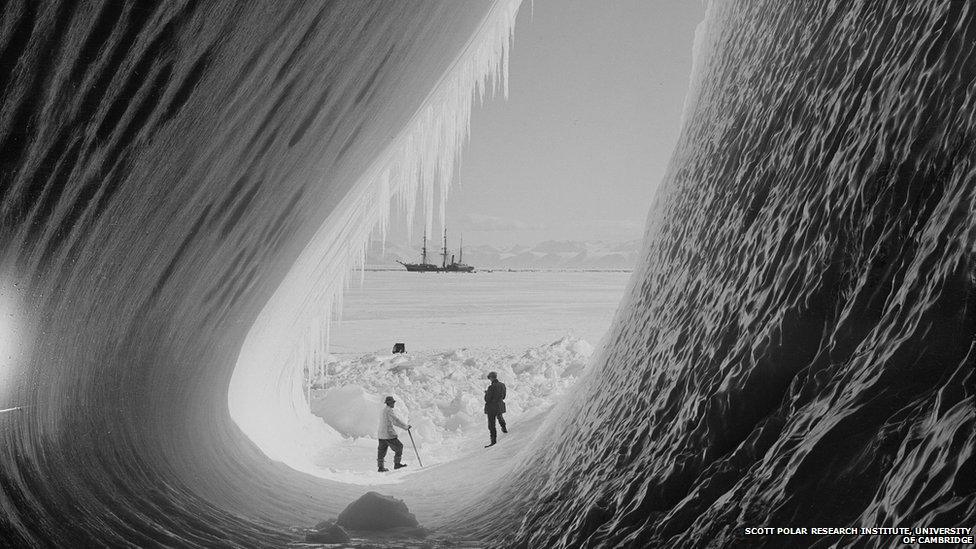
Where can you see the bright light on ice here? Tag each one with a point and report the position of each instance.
(10, 336)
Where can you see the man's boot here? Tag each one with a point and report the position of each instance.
(380, 467)
(492, 443)
(399, 465)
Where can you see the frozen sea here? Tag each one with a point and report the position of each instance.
(499, 309)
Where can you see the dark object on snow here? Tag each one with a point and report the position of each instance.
(495, 406)
(399, 348)
(327, 532)
(374, 512)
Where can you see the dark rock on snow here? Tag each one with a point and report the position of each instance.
(373, 512)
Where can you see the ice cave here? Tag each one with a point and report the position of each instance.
(187, 186)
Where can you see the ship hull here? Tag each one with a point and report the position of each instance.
(456, 268)
(421, 267)
(428, 268)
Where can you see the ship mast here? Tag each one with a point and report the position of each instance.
(423, 251)
(460, 248)
(444, 253)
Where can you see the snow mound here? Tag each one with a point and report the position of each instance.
(351, 410)
(440, 393)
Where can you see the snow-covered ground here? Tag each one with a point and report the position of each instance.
(512, 310)
(440, 394)
(537, 330)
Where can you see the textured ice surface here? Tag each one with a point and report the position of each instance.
(797, 348)
(163, 167)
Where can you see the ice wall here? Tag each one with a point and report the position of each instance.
(163, 166)
(797, 348)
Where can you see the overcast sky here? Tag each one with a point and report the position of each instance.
(576, 152)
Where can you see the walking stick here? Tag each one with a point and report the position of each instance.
(415, 447)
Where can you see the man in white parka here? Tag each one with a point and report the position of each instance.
(388, 437)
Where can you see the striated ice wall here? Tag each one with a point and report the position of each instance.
(163, 166)
(798, 346)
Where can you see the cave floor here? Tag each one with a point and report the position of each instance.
(435, 493)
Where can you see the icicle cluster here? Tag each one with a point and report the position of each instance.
(267, 396)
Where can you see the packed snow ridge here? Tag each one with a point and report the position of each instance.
(439, 393)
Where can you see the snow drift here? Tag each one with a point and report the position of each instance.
(439, 393)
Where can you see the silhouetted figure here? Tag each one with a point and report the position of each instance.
(495, 406)
(388, 437)
(399, 348)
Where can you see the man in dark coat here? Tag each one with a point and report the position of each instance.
(495, 406)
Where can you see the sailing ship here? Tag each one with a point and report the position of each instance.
(453, 267)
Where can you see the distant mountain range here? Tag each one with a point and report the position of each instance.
(551, 254)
